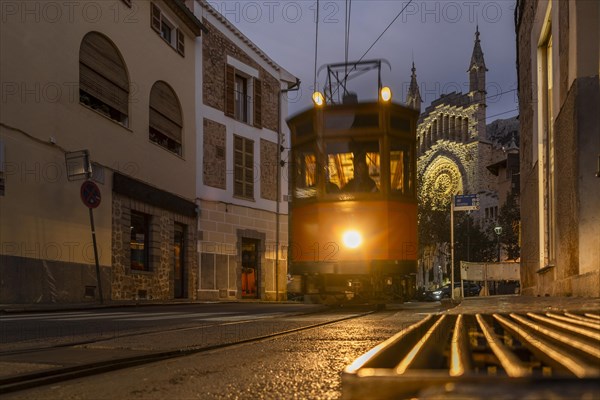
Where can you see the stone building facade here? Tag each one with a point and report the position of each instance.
(453, 153)
(121, 91)
(559, 97)
(242, 225)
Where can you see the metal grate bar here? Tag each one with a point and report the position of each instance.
(545, 349)
(460, 354)
(509, 361)
(566, 339)
(419, 352)
(580, 318)
(529, 351)
(376, 355)
(575, 321)
(594, 316)
(581, 331)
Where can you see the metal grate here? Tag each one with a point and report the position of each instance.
(532, 352)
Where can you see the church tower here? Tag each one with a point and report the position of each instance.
(413, 98)
(477, 67)
(477, 92)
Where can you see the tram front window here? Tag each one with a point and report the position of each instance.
(353, 166)
(305, 167)
(401, 169)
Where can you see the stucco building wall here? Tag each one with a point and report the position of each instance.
(575, 99)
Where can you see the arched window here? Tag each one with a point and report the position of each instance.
(103, 80)
(165, 117)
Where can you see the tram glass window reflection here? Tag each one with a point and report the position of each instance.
(353, 166)
(401, 169)
(305, 167)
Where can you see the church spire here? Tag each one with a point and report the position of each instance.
(413, 98)
(477, 67)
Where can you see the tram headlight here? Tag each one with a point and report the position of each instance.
(352, 239)
(385, 94)
(318, 99)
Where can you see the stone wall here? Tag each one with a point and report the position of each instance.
(268, 169)
(463, 157)
(220, 267)
(215, 49)
(158, 283)
(529, 166)
(214, 165)
(576, 131)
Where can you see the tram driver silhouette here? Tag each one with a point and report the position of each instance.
(361, 182)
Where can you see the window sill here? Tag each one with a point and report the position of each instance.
(251, 199)
(107, 118)
(546, 268)
(137, 271)
(247, 123)
(167, 150)
(174, 48)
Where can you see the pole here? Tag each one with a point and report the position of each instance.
(498, 247)
(277, 204)
(452, 246)
(96, 256)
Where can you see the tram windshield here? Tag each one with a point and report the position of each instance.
(352, 166)
(401, 173)
(305, 167)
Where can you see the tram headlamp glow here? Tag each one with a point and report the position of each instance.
(318, 99)
(385, 94)
(352, 239)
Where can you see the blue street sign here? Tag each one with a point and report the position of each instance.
(466, 202)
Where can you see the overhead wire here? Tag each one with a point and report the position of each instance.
(378, 37)
(316, 46)
(347, 33)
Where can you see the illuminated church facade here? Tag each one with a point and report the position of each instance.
(453, 153)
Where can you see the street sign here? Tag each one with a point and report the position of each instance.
(90, 194)
(466, 202)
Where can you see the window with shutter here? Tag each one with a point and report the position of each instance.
(155, 17)
(229, 91)
(258, 103)
(103, 79)
(243, 167)
(167, 30)
(180, 42)
(166, 122)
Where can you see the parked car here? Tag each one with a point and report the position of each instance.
(471, 289)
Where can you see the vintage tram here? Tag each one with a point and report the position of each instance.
(353, 212)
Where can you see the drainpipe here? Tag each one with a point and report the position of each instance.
(294, 87)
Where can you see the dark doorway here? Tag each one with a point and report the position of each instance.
(179, 261)
(250, 268)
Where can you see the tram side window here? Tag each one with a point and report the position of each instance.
(401, 181)
(353, 166)
(305, 167)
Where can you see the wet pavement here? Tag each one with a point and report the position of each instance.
(302, 365)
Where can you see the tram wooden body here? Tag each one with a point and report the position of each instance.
(346, 240)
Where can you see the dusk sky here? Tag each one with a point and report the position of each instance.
(439, 35)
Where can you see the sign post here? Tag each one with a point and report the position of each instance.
(460, 202)
(90, 196)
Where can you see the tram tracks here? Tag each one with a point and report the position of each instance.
(137, 357)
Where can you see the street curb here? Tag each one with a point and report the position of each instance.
(34, 308)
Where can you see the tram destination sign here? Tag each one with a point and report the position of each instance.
(466, 202)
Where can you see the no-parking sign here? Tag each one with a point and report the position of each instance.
(90, 194)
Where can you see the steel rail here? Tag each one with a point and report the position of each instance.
(41, 378)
